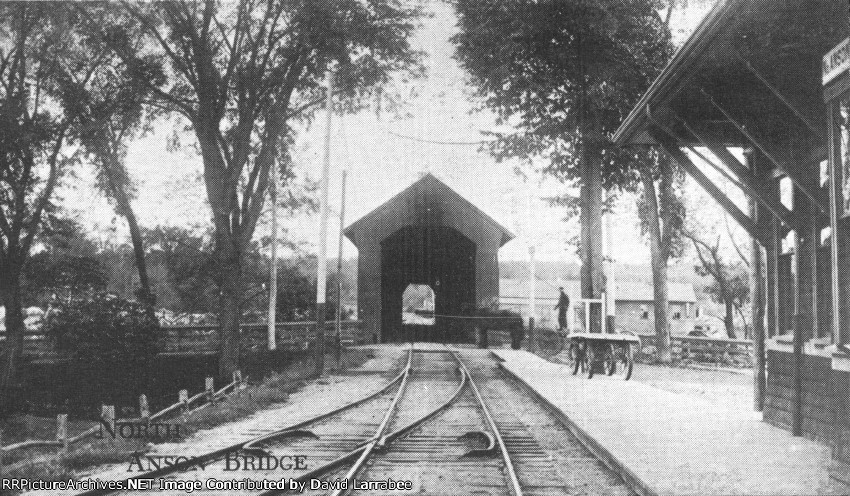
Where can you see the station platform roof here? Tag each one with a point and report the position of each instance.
(751, 63)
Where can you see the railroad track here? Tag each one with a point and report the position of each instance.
(431, 425)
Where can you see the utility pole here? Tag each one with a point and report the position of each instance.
(339, 270)
(322, 269)
(532, 303)
(272, 332)
(610, 279)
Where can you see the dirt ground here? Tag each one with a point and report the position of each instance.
(734, 389)
(279, 400)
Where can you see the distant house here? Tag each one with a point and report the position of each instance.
(635, 304)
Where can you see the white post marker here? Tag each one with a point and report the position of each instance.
(144, 409)
(107, 413)
(209, 386)
(183, 398)
(62, 431)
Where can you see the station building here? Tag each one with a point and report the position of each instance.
(771, 77)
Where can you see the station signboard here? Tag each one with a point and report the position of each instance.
(835, 64)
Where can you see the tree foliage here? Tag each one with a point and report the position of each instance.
(296, 296)
(239, 72)
(110, 115)
(561, 75)
(41, 52)
(104, 327)
(672, 212)
(67, 264)
(113, 343)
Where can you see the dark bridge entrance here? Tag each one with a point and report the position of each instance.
(427, 234)
(439, 257)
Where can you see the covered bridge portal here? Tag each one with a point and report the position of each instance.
(427, 234)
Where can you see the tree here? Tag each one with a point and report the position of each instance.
(662, 216)
(188, 269)
(110, 114)
(40, 49)
(731, 285)
(563, 75)
(66, 264)
(189, 279)
(239, 72)
(296, 297)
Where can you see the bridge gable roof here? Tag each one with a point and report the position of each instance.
(427, 202)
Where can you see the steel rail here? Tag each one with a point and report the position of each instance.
(251, 443)
(385, 441)
(379, 432)
(506, 457)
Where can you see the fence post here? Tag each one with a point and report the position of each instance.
(237, 378)
(62, 431)
(144, 409)
(183, 398)
(208, 384)
(107, 413)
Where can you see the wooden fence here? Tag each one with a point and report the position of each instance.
(709, 349)
(206, 339)
(713, 349)
(185, 405)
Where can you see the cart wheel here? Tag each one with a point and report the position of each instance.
(574, 357)
(589, 359)
(610, 360)
(623, 360)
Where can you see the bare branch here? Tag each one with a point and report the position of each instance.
(732, 240)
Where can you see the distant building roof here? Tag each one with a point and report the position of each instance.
(626, 290)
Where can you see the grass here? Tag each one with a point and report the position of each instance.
(273, 389)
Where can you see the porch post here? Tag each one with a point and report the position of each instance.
(772, 248)
(805, 258)
(762, 218)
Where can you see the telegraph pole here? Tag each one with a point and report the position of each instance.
(339, 270)
(322, 269)
(532, 283)
(272, 333)
(610, 279)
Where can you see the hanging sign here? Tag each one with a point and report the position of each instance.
(836, 61)
(843, 135)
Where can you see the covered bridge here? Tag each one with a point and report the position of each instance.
(763, 75)
(427, 234)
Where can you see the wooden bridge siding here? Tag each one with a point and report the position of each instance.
(205, 340)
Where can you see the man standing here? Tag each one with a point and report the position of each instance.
(562, 307)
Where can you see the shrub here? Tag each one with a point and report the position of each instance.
(111, 341)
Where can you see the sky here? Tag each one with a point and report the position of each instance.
(383, 155)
